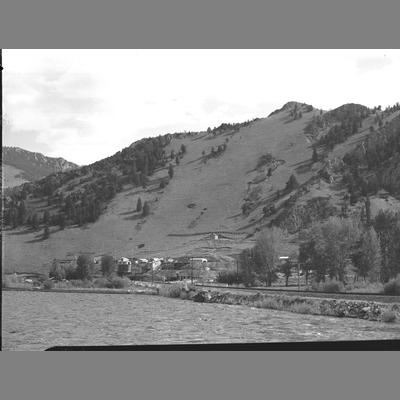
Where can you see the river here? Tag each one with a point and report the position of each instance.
(38, 320)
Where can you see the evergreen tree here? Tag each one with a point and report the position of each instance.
(314, 155)
(35, 221)
(368, 211)
(107, 265)
(46, 217)
(46, 232)
(21, 213)
(146, 209)
(292, 183)
(183, 149)
(139, 205)
(61, 221)
(171, 171)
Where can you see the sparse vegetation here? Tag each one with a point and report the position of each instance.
(392, 287)
(48, 284)
(146, 209)
(388, 316)
(139, 205)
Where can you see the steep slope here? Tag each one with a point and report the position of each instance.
(21, 166)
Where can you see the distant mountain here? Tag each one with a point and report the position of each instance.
(20, 166)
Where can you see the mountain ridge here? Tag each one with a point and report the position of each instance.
(30, 166)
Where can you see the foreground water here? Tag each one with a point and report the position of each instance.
(38, 320)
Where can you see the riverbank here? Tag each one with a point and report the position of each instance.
(148, 290)
(369, 310)
(333, 307)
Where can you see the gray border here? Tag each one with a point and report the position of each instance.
(199, 24)
(205, 24)
(193, 376)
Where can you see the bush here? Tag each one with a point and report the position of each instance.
(229, 277)
(70, 273)
(57, 271)
(332, 286)
(81, 283)
(303, 308)
(388, 316)
(48, 284)
(364, 287)
(170, 290)
(119, 283)
(6, 282)
(392, 287)
(102, 283)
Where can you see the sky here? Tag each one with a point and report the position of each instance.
(84, 105)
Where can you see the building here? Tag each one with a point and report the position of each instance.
(124, 266)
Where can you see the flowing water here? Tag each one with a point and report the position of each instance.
(38, 320)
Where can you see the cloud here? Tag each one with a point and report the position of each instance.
(50, 108)
(367, 64)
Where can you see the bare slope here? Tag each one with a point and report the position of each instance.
(12, 176)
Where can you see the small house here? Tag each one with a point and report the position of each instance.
(124, 266)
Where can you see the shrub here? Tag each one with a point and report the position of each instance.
(48, 284)
(146, 209)
(69, 272)
(332, 286)
(268, 302)
(81, 283)
(388, 316)
(6, 282)
(364, 287)
(170, 290)
(119, 283)
(229, 277)
(303, 308)
(102, 283)
(264, 160)
(57, 271)
(392, 287)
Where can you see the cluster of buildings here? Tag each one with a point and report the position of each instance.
(167, 268)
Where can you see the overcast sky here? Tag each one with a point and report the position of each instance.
(85, 105)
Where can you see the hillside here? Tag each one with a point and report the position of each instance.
(21, 166)
(231, 180)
